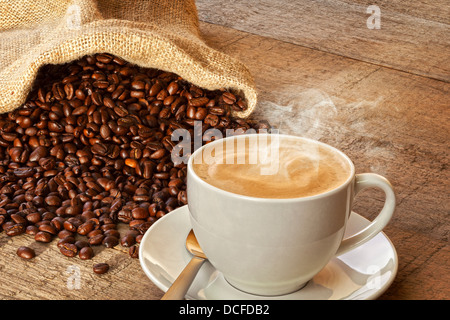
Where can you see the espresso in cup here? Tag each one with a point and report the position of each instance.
(300, 168)
(270, 211)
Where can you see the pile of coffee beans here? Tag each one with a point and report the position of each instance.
(91, 148)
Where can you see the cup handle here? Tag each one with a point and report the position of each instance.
(362, 181)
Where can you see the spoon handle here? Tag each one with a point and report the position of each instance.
(181, 285)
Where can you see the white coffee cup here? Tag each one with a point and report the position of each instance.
(268, 246)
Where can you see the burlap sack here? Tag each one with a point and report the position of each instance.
(162, 34)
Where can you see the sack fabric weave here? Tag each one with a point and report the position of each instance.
(161, 34)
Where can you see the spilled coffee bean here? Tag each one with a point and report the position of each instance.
(69, 249)
(26, 253)
(101, 268)
(86, 253)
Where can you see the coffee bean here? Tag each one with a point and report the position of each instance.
(85, 228)
(33, 217)
(43, 236)
(86, 253)
(128, 240)
(69, 239)
(155, 89)
(133, 252)
(53, 201)
(32, 230)
(18, 218)
(14, 229)
(101, 268)
(48, 228)
(71, 224)
(23, 172)
(211, 119)
(26, 252)
(96, 239)
(110, 241)
(64, 234)
(228, 98)
(24, 122)
(100, 149)
(69, 249)
(140, 213)
(199, 102)
(38, 153)
(105, 131)
(81, 244)
(104, 58)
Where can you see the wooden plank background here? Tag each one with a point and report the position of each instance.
(381, 96)
(413, 36)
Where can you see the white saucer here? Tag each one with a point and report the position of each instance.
(363, 273)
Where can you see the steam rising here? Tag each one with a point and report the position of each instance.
(298, 111)
(312, 113)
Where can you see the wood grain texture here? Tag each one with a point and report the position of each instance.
(413, 36)
(388, 121)
(52, 276)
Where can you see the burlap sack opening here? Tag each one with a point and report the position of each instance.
(161, 34)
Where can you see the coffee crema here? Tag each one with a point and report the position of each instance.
(291, 168)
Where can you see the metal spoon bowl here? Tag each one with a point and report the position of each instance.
(181, 285)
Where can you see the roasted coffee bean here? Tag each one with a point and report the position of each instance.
(69, 249)
(128, 240)
(58, 223)
(24, 122)
(109, 229)
(33, 217)
(48, 228)
(14, 229)
(211, 119)
(64, 234)
(134, 252)
(32, 230)
(43, 236)
(38, 153)
(69, 239)
(53, 201)
(81, 244)
(96, 239)
(72, 224)
(124, 215)
(140, 213)
(23, 172)
(228, 98)
(110, 241)
(86, 253)
(26, 253)
(100, 149)
(18, 218)
(199, 102)
(85, 228)
(101, 268)
(105, 131)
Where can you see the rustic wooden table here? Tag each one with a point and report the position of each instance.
(380, 95)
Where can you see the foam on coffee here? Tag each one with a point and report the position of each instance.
(302, 168)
